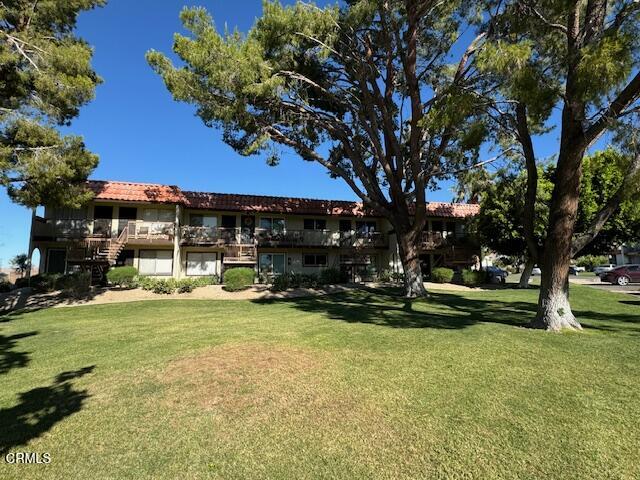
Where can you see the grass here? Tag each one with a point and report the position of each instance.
(354, 385)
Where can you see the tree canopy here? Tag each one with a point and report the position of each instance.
(379, 93)
(45, 77)
(502, 206)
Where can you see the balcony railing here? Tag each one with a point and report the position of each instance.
(142, 230)
(192, 235)
(436, 240)
(72, 229)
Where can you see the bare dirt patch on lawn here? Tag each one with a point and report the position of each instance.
(236, 377)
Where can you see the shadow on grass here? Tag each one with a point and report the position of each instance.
(442, 310)
(9, 358)
(40, 409)
(25, 300)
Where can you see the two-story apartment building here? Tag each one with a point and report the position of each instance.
(165, 231)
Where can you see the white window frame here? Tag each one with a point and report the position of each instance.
(273, 254)
(153, 255)
(270, 220)
(202, 273)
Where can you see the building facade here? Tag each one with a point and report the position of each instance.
(165, 231)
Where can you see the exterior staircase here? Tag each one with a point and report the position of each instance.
(110, 250)
(240, 254)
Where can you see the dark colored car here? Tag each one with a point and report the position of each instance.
(497, 274)
(623, 275)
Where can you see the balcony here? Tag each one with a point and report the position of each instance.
(218, 236)
(139, 231)
(438, 240)
(101, 230)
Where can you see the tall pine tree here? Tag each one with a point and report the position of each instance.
(45, 77)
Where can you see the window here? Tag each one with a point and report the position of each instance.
(437, 226)
(158, 215)
(315, 224)
(201, 263)
(315, 260)
(345, 225)
(365, 227)
(156, 262)
(272, 263)
(199, 220)
(274, 224)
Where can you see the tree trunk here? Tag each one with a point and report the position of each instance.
(410, 258)
(526, 273)
(554, 310)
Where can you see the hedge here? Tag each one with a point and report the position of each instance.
(441, 275)
(238, 278)
(472, 278)
(123, 276)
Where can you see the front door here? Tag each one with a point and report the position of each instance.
(56, 261)
(248, 228)
(126, 214)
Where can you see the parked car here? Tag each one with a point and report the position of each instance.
(600, 269)
(496, 274)
(623, 275)
(573, 270)
(578, 268)
(536, 271)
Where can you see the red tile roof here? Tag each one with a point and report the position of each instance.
(136, 192)
(157, 193)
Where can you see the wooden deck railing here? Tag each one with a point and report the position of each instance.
(192, 235)
(436, 240)
(101, 229)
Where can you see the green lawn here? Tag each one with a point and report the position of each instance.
(357, 385)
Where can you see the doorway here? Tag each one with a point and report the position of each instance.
(56, 260)
(248, 228)
(102, 215)
(125, 215)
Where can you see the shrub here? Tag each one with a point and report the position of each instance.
(185, 285)
(75, 284)
(238, 278)
(146, 283)
(384, 276)
(281, 283)
(5, 286)
(441, 275)
(164, 286)
(295, 280)
(124, 277)
(473, 278)
(332, 276)
(205, 281)
(41, 283)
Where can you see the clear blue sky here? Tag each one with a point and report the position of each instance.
(142, 135)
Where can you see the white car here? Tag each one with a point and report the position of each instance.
(600, 269)
(578, 269)
(536, 271)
